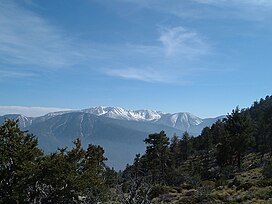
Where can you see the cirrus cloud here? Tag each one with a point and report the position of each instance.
(182, 41)
(28, 39)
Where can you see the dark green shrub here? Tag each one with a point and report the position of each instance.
(156, 191)
(267, 170)
(221, 181)
(264, 193)
(264, 183)
(235, 182)
(244, 186)
(228, 172)
(187, 186)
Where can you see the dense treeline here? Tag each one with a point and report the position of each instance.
(27, 175)
(222, 145)
(80, 175)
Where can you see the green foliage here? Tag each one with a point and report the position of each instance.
(28, 176)
(157, 155)
(93, 174)
(18, 155)
(236, 138)
(261, 114)
(207, 138)
(55, 180)
(267, 170)
(156, 191)
(176, 151)
(220, 154)
(80, 175)
(264, 193)
(186, 147)
(240, 129)
(244, 186)
(264, 183)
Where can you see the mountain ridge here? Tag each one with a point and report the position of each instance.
(114, 128)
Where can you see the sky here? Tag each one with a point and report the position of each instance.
(199, 56)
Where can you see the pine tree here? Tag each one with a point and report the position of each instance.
(175, 150)
(157, 155)
(18, 156)
(240, 129)
(186, 146)
(267, 127)
(94, 170)
(207, 138)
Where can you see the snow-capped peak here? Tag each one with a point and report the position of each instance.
(177, 120)
(121, 113)
(182, 120)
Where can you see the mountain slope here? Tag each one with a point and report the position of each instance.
(121, 132)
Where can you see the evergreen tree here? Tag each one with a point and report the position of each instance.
(56, 180)
(207, 138)
(267, 127)
(259, 112)
(176, 153)
(18, 156)
(218, 131)
(157, 155)
(240, 129)
(222, 142)
(94, 170)
(185, 145)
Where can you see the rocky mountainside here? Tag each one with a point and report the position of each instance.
(116, 129)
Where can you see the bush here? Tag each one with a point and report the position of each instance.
(228, 172)
(267, 170)
(176, 177)
(208, 184)
(264, 193)
(187, 186)
(244, 186)
(235, 182)
(264, 183)
(222, 181)
(220, 195)
(156, 191)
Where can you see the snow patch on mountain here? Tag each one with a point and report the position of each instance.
(24, 121)
(181, 120)
(123, 114)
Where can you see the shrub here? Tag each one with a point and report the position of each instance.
(235, 182)
(187, 186)
(264, 183)
(244, 186)
(264, 193)
(267, 170)
(156, 191)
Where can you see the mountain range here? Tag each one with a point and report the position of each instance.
(119, 131)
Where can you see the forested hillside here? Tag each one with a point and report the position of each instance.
(229, 162)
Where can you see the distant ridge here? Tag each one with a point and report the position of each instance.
(118, 130)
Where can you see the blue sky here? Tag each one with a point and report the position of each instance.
(199, 56)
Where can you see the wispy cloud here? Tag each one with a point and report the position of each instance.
(252, 10)
(243, 9)
(174, 7)
(30, 44)
(29, 111)
(14, 74)
(27, 39)
(262, 3)
(182, 41)
(147, 75)
(167, 62)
